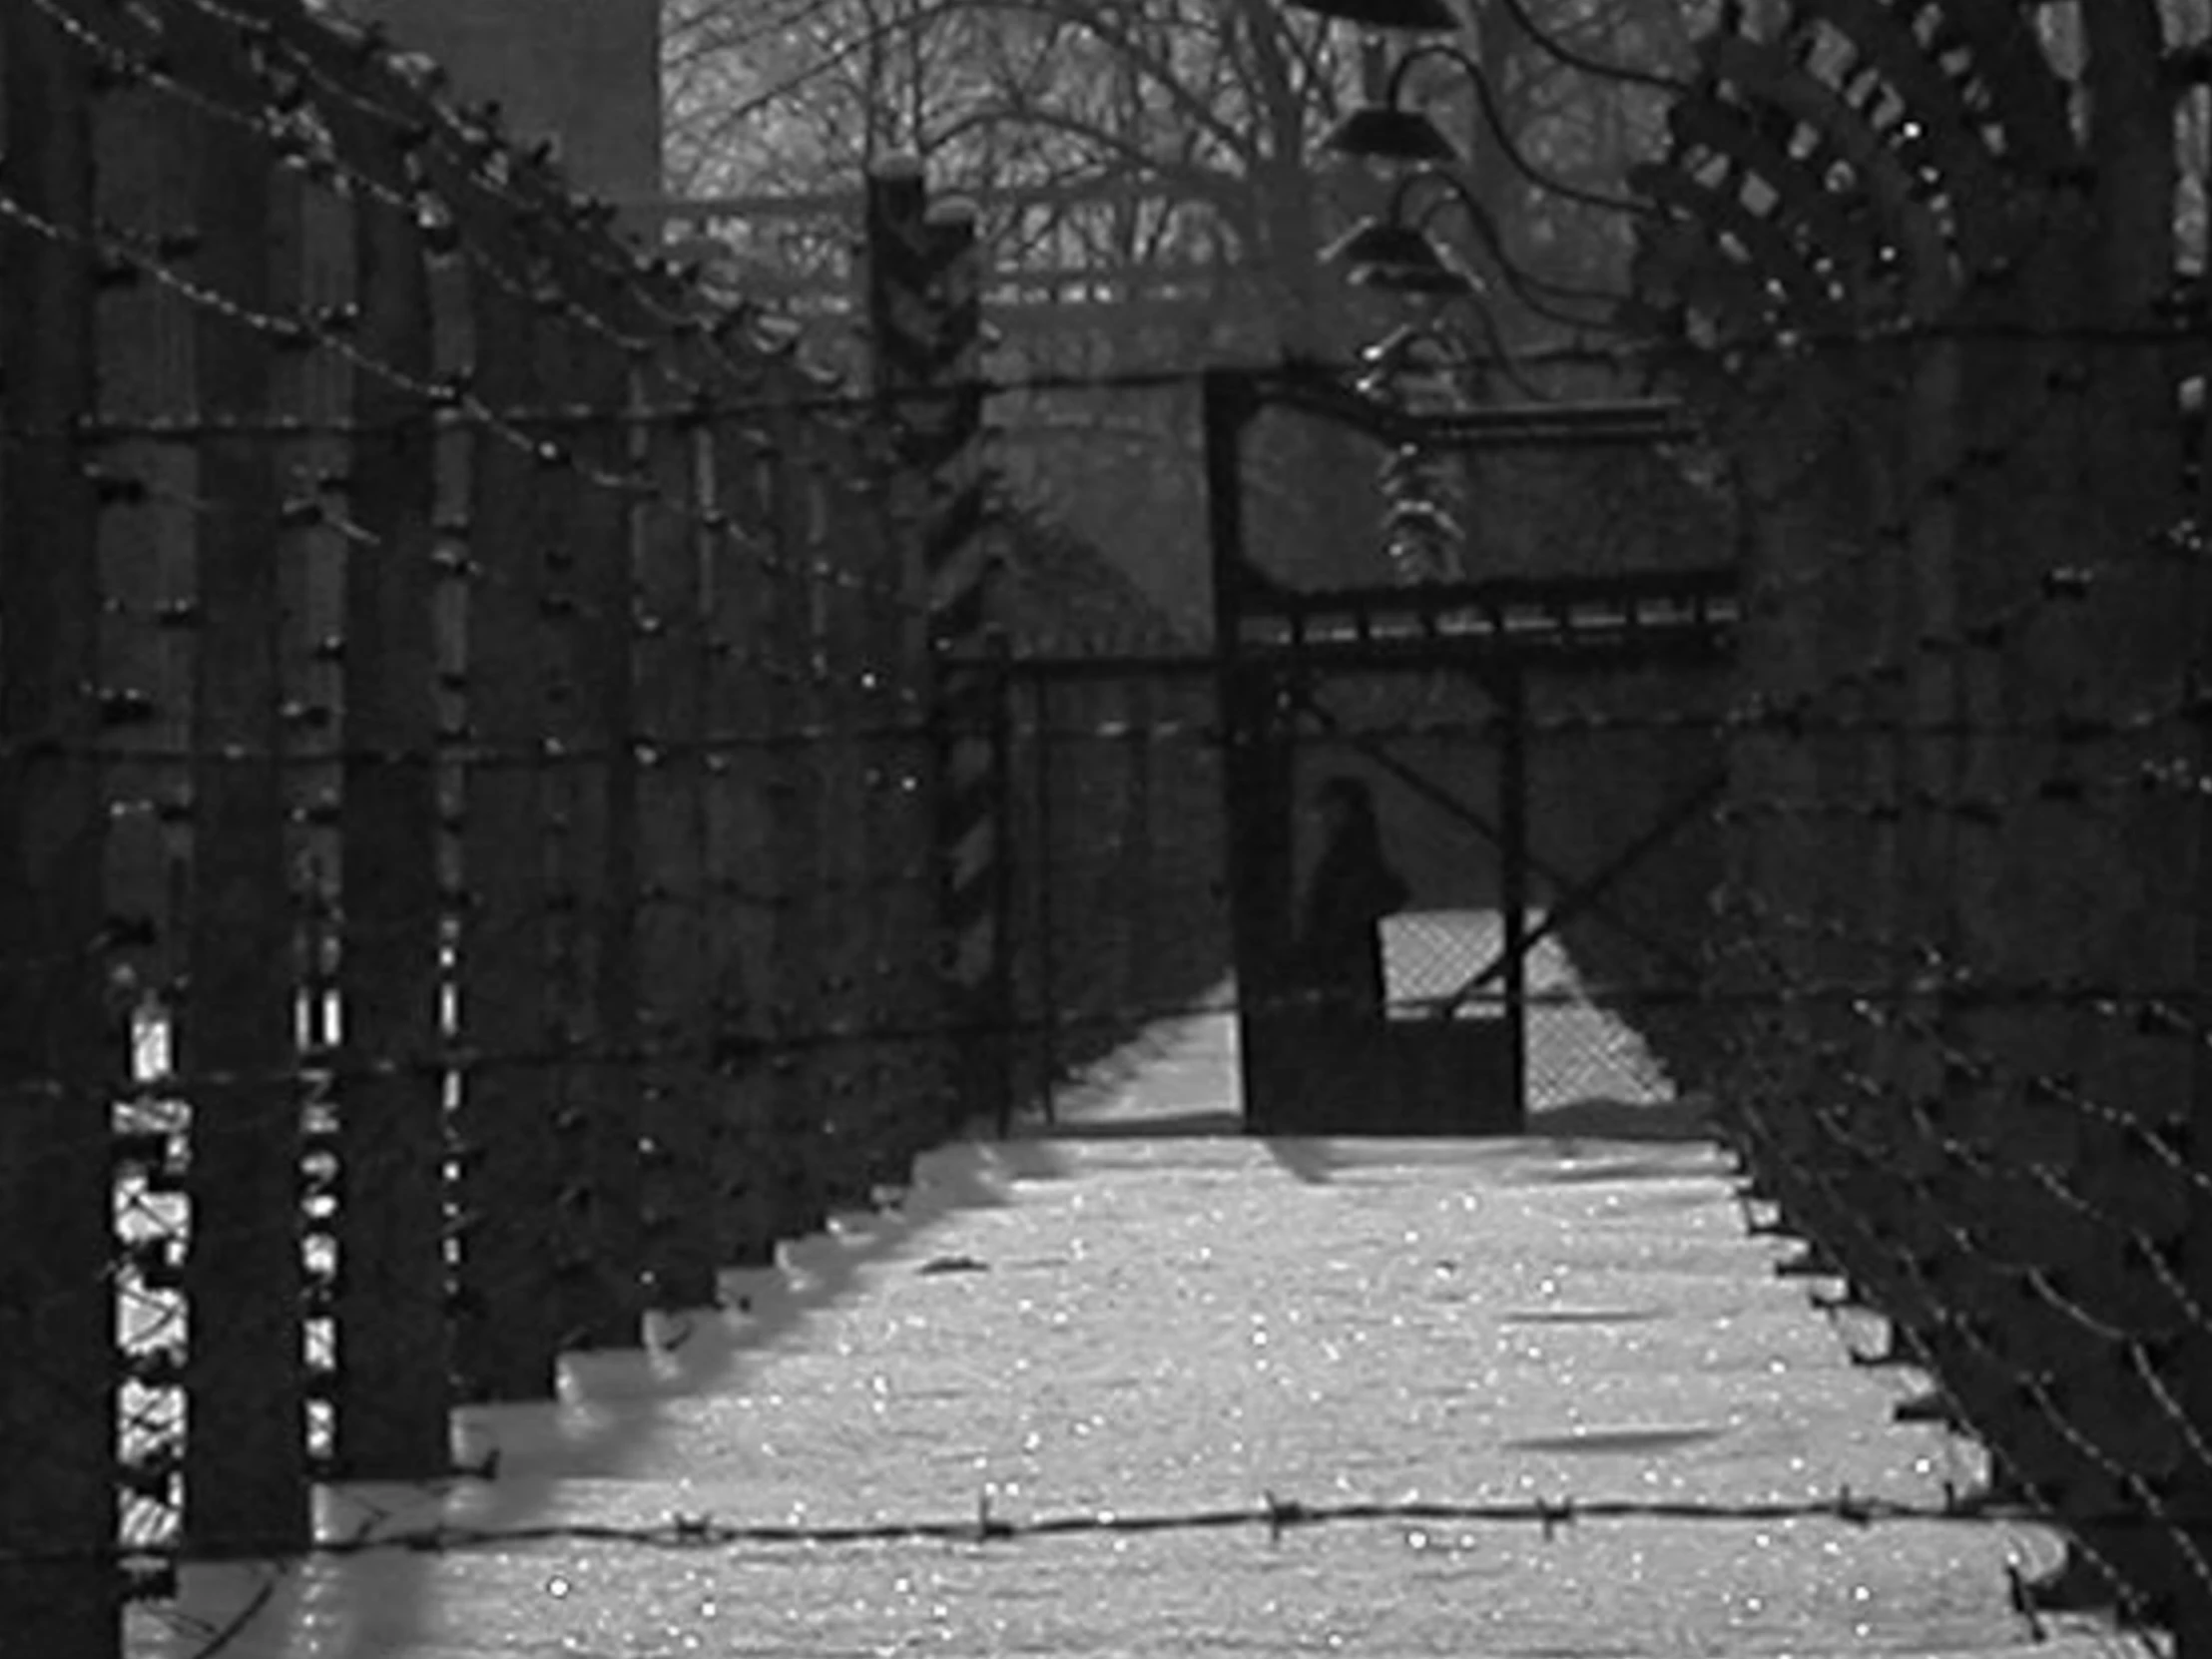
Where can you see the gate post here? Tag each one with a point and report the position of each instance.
(924, 307)
(1256, 775)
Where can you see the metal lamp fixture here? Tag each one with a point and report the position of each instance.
(1385, 252)
(1407, 16)
(1390, 132)
(1417, 369)
(1398, 258)
(1391, 252)
(1387, 133)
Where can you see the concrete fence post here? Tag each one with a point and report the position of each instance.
(393, 1347)
(507, 1290)
(676, 1015)
(925, 312)
(246, 1468)
(58, 1056)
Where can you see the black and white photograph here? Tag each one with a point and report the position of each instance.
(1105, 829)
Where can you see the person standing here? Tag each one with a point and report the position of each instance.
(1339, 949)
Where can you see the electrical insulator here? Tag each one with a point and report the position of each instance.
(1423, 486)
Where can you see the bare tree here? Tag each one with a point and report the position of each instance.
(1178, 130)
(1154, 170)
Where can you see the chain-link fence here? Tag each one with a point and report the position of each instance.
(1120, 913)
(1615, 846)
(1622, 825)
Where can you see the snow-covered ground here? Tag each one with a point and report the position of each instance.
(1153, 1314)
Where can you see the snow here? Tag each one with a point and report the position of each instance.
(1146, 1311)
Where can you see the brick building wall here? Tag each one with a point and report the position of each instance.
(584, 73)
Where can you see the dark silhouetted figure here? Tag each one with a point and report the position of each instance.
(1339, 955)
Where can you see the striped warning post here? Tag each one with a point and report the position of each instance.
(925, 306)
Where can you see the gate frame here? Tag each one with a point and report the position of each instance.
(1267, 634)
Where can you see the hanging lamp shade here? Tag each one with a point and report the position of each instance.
(1439, 282)
(1397, 258)
(1381, 241)
(1433, 17)
(1385, 132)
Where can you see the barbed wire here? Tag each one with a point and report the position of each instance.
(832, 1007)
(1840, 1104)
(1842, 1215)
(308, 327)
(708, 406)
(2155, 1008)
(2177, 706)
(1273, 1516)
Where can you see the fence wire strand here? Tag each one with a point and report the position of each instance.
(672, 893)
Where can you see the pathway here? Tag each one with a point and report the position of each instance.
(1135, 1313)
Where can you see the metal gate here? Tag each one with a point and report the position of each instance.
(1154, 816)
(1423, 695)
(1439, 1043)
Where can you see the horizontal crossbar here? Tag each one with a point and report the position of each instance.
(1640, 616)
(1321, 390)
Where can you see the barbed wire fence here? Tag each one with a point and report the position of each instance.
(1950, 1002)
(1962, 877)
(469, 863)
(473, 742)
(1944, 989)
